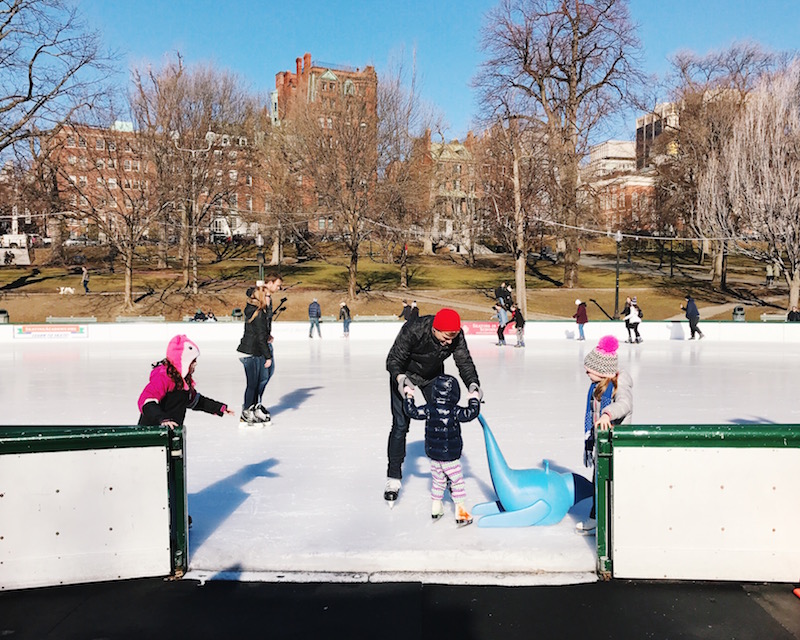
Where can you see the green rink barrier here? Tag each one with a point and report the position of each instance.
(698, 502)
(87, 504)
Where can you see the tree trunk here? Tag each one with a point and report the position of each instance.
(404, 267)
(794, 286)
(352, 274)
(571, 256)
(128, 295)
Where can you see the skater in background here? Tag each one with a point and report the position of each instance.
(413, 312)
(608, 403)
(519, 324)
(85, 279)
(415, 359)
(581, 318)
(406, 312)
(793, 315)
(314, 314)
(693, 315)
(632, 315)
(443, 442)
(344, 316)
(256, 349)
(502, 320)
(171, 389)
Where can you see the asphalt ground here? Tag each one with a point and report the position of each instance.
(156, 609)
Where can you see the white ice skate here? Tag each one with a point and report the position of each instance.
(437, 510)
(391, 491)
(262, 415)
(249, 420)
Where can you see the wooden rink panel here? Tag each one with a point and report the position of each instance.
(83, 516)
(705, 513)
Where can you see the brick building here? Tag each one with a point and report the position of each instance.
(324, 86)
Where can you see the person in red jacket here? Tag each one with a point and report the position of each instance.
(581, 318)
(171, 391)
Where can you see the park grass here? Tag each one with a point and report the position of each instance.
(30, 294)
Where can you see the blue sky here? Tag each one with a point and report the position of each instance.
(258, 38)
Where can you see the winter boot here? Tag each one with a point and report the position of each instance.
(463, 517)
(392, 490)
(437, 509)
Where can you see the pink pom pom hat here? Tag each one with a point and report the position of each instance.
(181, 352)
(603, 358)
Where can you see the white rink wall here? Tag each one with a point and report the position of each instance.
(719, 331)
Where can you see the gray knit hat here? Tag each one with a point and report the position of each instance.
(603, 358)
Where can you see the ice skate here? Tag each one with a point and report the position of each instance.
(638, 340)
(437, 510)
(391, 491)
(463, 518)
(586, 528)
(261, 415)
(500, 344)
(248, 419)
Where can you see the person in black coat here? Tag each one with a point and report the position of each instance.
(256, 347)
(443, 441)
(415, 359)
(793, 315)
(693, 316)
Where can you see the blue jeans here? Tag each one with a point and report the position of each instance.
(257, 378)
(346, 323)
(314, 323)
(580, 331)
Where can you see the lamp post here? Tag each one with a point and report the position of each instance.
(618, 240)
(210, 137)
(260, 256)
(671, 254)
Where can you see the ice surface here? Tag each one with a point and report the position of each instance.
(302, 498)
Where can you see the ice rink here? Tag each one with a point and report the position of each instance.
(301, 500)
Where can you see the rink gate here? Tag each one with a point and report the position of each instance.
(82, 504)
(703, 502)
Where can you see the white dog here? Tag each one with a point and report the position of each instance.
(66, 290)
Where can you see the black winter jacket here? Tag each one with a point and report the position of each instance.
(255, 341)
(418, 354)
(443, 418)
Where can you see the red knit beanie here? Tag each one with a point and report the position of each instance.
(447, 320)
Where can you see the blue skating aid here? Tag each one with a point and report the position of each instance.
(527, 497)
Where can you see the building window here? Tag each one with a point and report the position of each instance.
(322, 223)
(136, 165)
(70, 141)
(100, 144)
(233, 175)
(226, 141)
(82, 181)
(249, 181)
(233, 200)
(110, 164)
(99, 164)
(242, 142)
(82, 143)
(249, 202)
(73, 159)
(112, 183)
(112, 146)
(126, 165)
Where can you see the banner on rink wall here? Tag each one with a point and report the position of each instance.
(50, 331)
(484, 328)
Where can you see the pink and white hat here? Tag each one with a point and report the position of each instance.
(603, 358)
(181, 352)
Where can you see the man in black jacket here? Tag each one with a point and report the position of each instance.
(415, 359)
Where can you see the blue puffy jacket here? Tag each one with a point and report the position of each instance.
(443, 418)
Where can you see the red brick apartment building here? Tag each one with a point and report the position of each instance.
(102, 173)
(322, 84)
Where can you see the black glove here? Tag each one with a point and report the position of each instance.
(588, 450)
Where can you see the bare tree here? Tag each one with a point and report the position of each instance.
(51, 65)
(753, 185)
(202, 122)
(334, 152)
(570, 64)
(710, 91)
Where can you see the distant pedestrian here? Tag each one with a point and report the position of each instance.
(794, 315)
(519, 323)
(581, 318)
(314, 314)
(693, 316)
(770, 275)
(85, 279)
(344, 316)
(406, 312)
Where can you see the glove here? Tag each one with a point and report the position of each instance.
(475, 389)
(403, 383)
(588, 450)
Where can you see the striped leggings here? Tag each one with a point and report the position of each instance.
(440, 473)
